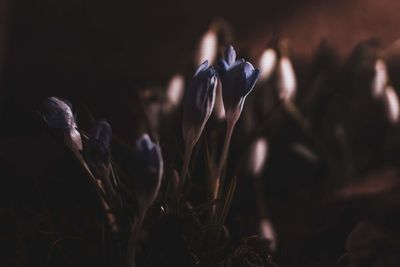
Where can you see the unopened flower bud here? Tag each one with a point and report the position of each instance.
(58, 113)
(238, 78)
(148, 171)
(98, 150)
(198, 102)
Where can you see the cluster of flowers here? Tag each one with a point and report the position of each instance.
(223, 89)
(236, 77)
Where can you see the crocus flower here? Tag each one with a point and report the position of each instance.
(238, 78)
(198, 105)
(148, 171)
(148, 174)
(58, 113)
(97, 152)
(199, 102)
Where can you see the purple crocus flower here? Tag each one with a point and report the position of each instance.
(148, 170)
(238, 78)
(58, 114)
(198, 102)
(98, 150)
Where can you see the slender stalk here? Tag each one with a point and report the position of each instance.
(104, 198)
(133, 239)
(185, 167)
(111, 218)
(216, 179)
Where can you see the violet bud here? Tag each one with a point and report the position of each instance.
(148, 171)
(58, 114)
(98, 150)
(238, 78)
(198, 103)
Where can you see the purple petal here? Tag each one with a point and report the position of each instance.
(202, 67)
(58, 113)
(251, 80)
(237, 62)
(248, 69)
(230, 55)
(222, 67)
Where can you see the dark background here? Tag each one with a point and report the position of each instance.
(92, 50)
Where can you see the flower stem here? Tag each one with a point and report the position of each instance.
(185, 167)
(133, 240)
(73, 141)
(216, 179)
